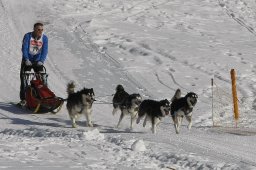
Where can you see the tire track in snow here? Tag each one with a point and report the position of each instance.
(95, 48)
(238, 20)
(219, 150)
(146, 9)
(161, 82)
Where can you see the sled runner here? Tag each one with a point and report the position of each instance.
(39, 98)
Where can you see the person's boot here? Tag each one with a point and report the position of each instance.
(22, 103)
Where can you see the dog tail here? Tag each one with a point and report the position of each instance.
(71, 87)
(177, 95)
(119, 87)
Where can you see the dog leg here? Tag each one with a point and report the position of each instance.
(158, 120)
(189, 119)
(120, 119)
(73, 120)
(179, 116)
(156, 123)
(175, 121)
(138, 120)
(140, 116)
(145, 121)
(88, 118)
(153, 128)
(179, 123)
(114, 111)
(133, 117)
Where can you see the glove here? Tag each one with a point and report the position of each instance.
(28, 63)
(40, 63)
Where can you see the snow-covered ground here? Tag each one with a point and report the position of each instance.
(151, 47)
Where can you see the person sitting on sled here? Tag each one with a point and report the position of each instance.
(34, 54)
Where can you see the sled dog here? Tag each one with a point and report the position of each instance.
(118, 98)
(153, 111)
(182, 106)
(130, 106)
(79, 103)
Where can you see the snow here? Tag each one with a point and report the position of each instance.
(150, 47)
(138, 146)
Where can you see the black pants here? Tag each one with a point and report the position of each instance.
(35, 67)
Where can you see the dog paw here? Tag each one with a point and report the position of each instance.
(138, 121)
(74, 126)
(153, 130)
(89, 125)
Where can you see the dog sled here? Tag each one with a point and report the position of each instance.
(38, 97)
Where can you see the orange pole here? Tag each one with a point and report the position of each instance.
(234, 93)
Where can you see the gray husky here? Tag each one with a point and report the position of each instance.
(79, 103)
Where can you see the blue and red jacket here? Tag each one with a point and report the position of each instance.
(34, 50)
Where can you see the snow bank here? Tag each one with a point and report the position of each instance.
(138, 146)
(93, 135)
(45, 133)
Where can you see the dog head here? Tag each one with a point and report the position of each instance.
(88, 95)
(165, 107)
(192, 98)
(119, 87)
(136, 99)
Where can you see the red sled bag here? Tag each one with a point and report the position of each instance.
(40, 99)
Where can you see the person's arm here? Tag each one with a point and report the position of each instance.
(44, 49)
(25, 47)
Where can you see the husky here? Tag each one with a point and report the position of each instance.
(130, 106)
(182, 106)
(79, 103)
(153, 111)
(119, 98)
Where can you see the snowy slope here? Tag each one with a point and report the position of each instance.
(151, 47)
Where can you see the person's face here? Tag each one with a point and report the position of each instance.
(38, 30)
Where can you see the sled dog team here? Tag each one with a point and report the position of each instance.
(80, 102)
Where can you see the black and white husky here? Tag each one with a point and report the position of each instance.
(127, 103)
(130, 107)
(79, 103)
(182, 107)
(153, 111)
(118, 99)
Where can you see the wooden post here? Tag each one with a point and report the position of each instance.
(234, 93)
(213, 123)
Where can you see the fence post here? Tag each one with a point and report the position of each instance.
(234, 94)
(213, 123)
